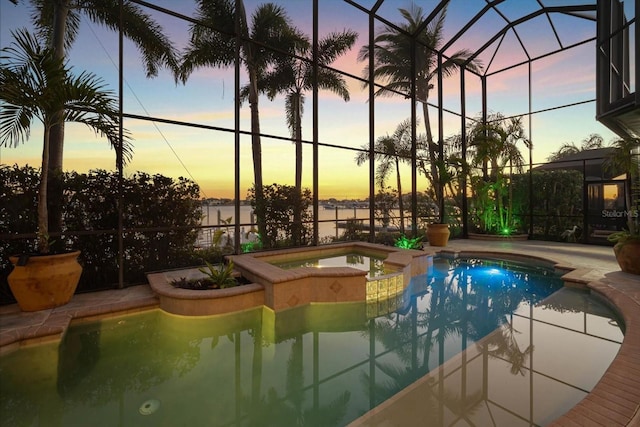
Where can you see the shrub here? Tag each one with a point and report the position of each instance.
(160, 215)
(280, 204)
(557, 201)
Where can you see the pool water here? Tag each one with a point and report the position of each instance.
(374, 266)
(472, 341)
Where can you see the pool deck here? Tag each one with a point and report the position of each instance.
(615, 400)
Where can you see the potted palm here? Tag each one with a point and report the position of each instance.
(438, 233)
(38, 86)
(626, 157)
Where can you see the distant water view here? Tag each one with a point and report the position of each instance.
(220, 214)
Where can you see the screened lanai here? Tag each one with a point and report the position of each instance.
(361, 120)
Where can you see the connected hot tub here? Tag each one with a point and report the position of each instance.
(324, 274)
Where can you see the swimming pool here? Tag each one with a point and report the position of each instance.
(469, 340)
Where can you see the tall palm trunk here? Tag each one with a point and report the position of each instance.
(43, 233)
(297, 214)
(500, 204)
(510, 200)
(494, 169)
(56, 133)
(297, 117)
(433, 160)
(256, 144)
(256, 149)
(400, 203)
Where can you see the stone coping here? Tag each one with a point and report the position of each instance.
(278, 288)
(18, 328)
(160, 283)
(202, 302)
(256, 267)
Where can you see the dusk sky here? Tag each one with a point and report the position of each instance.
(207, 98)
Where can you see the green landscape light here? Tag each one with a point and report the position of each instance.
(506, 231)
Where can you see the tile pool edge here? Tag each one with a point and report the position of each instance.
(615, 399)
(20, 329)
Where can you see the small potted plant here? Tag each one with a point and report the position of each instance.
(627, 242)
(37, 85)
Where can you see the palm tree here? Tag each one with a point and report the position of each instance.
(212, 43)
(58, 22)
(591, 142)
(394, 52)
(293, 76)
(494, 143)
(391, 151)
(36, 84)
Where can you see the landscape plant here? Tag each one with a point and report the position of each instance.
(279, 205)
(402, 63)
(494, 149)
(390, 151)
(221, 235)
(38, 86)
(626, 157)
(57, 24)
(293, 75)
(591, 142)
(384, 206)
(220, 276)
(217, 27)
(354, 230)
(405, 242)
(556, 201)
(162, 218)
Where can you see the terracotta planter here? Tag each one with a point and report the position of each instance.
(628, 256)
(438, 234)
(45, 281)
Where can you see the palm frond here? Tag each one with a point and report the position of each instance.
(37, 85)
(155, 47)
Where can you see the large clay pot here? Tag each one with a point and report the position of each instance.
(44, 281)
(438, 234)
(628, 256)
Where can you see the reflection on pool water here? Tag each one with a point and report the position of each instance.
(470, 341)
(373, 265)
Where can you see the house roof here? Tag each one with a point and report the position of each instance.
(589, 161)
